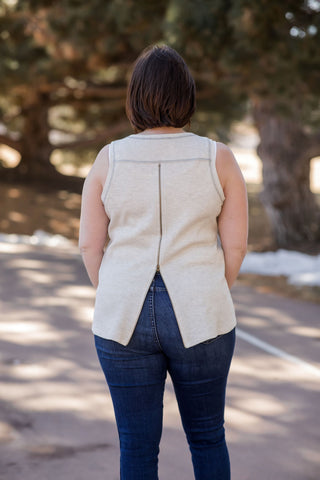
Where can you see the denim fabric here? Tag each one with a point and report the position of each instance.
(136, 376)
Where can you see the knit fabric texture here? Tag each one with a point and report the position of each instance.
(163, 195)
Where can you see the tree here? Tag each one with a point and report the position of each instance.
(63, 71)
(63, 74)
(269, 52)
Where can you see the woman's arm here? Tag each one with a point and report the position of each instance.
(93, 220)
(233, 218)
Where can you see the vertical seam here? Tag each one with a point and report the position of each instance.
(160, 216)
(110, 174)
(153, 317)
(213, 171)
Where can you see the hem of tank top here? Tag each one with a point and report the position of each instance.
(110, 173)
(222, 332)
(125, 342)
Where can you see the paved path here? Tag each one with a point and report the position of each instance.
(56, 419)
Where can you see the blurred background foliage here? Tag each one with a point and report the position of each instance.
(64, 67)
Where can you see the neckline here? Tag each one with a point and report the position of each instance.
(160, 135)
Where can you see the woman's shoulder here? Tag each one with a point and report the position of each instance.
(227, 165)
(102, 159)
(225, 155)
(99, 169)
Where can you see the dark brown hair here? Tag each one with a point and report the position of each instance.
(161, 91)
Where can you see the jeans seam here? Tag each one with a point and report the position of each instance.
(153, 319)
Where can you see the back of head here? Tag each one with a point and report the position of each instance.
(161, 91)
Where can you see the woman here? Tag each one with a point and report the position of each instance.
(163, 302)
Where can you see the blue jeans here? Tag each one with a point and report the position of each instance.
(136, 376)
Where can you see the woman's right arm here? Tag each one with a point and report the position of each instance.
(93, 220)
(233, 218)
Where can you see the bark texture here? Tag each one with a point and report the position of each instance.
(35, 145)
(291, 206)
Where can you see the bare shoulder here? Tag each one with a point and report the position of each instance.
(225, 157)
(227, 166)
(99, 170)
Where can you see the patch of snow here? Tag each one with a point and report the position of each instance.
(38, 238)
(300, 268)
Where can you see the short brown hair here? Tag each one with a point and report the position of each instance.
(161, 91)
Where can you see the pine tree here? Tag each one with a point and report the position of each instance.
(63, 70)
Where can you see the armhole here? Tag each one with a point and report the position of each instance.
(107, 182)
(213, 169)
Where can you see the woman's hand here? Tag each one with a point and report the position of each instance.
(93, 220)
(233, 218)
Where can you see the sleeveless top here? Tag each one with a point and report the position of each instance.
(162, 195)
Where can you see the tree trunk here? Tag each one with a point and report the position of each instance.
(35, 149)
(290, 205)
(35, 145)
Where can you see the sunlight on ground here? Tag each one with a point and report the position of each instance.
(274, 369)
(261, 316)
(75, 291)
(30, 332)
(262, 404)
(304, 331)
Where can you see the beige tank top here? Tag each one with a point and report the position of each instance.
(162, 195)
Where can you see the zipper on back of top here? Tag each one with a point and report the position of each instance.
(160, 216)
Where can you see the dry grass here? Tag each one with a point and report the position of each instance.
(24, 210)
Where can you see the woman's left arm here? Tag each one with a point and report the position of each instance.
(93, 220)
